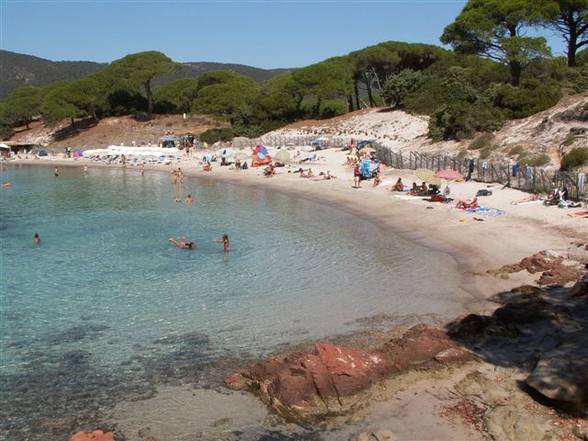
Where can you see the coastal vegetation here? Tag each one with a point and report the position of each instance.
(494, 72)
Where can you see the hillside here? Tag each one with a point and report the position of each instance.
(18, 70)
(550, 132)
(115, 130)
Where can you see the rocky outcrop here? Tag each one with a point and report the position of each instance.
(97, 435)
(562, 374)
(333, 380)
(554, 271)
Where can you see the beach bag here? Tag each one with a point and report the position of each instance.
(484, 192)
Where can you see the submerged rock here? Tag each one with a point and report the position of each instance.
(333, 380)
(97, 435)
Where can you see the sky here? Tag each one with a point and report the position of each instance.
(267, 33)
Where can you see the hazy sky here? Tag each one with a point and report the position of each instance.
(278, 33)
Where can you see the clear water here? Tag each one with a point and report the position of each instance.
(107, 283)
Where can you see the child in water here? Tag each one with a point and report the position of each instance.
(37, 239)
(189, 199)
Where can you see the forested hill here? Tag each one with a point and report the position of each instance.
(19, 70)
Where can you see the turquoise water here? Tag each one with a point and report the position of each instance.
(106, 300)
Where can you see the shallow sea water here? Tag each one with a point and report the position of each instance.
(106, 309)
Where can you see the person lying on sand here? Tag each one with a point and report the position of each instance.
(399, 186)
(532, 198)
(465, 205)
(269, 171)
(307, 174)
(183, 244)
(377, 181)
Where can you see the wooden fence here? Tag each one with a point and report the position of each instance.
(530, 179)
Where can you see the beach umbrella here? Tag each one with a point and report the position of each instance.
(427, 176)
(282, 156)
(449, 175)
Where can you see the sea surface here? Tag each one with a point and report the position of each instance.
(107, 310)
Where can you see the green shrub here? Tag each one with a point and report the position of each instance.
(535, 161)
(213, 135)
(577, 157)
(462, 120)
(519, 102)
(517, 150)
(481, 141)
(578, 113)
(487, 151)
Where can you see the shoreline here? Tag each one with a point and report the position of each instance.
(474, 248)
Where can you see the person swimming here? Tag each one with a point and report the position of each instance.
(226, 243)
(189, 199)
(37, 239)
(55, 172)
(183, 244)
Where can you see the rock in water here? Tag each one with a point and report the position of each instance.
(97, 435)
(333, 380)
(562, 374)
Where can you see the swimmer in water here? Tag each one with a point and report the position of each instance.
(226, 243)
(55, 172)
(7, 184)
(183, 244)
(142, 168)
(189, 199)
(85, 169)
(37, 239)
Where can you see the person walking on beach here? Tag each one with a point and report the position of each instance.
(356, 177)
(37, 239)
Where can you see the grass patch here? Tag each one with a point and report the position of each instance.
(577, 157)
(482, 142)
(517, 150)
(535, 161)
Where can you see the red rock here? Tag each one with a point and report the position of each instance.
(332, 380)
(97, 435)
(559, 275)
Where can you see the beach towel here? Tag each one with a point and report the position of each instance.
(484, 211)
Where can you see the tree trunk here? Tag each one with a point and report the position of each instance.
(27, 123)
(73, 123)
(515, 73)
(149, 97)
(356, 92)
(369, 90)
(349, 103)
(572, 39)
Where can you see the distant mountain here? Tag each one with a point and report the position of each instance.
(18, 70)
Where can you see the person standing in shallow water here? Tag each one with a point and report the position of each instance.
(37, 239)
(55, 172)
(226, 243)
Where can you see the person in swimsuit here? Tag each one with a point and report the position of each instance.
(37, 239)
(189, 199)
(356, 177)
(183, 244)
(226, 243)
(55, 172)
(399, 186)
